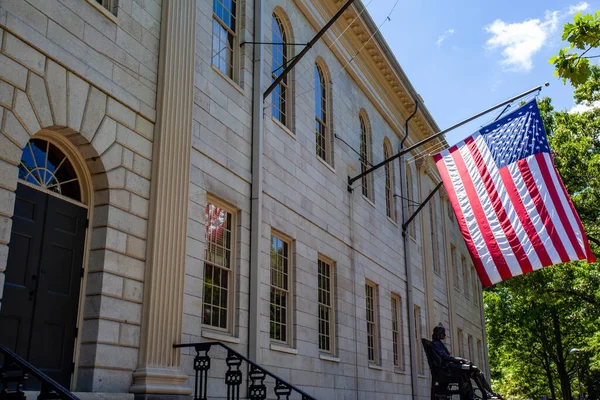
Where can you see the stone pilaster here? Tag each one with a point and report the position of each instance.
(159, 365)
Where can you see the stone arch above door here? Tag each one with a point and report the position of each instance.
(115, 145)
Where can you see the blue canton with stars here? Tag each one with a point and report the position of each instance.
(517, 135)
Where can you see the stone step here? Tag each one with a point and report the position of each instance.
(32, 395)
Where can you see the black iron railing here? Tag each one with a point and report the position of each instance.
(14, 373)
(257, 389)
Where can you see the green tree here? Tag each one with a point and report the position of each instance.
(572, 62)
(534, 320)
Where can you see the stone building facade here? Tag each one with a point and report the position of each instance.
(204, 213)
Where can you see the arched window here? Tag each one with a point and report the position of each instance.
(322, 125)
(281, 96)
(390, 200)
(225, 36)
(365, 158)
(45, 165)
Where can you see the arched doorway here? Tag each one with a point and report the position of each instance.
(46, 250)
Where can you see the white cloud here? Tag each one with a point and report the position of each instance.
(578, 7)
(520, 41)
(581, 108)
(444, 36)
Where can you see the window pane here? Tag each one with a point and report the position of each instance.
(279, 289)
(325, 305)
(279, 61)
(217, 266)
(223, 35)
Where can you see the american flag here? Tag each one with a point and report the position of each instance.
(511, 205)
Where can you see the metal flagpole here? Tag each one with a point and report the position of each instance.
(430, 138)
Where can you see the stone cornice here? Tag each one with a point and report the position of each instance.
(375, 69)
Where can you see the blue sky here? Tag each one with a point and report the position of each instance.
(465, 56)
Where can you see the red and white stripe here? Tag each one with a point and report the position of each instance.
(514, 220)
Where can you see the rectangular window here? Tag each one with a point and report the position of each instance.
(371, 307)
(479, 354)
(465, 275)
(459, 337)
(110, 5)
(326, 311)
(454, 266)
(435, 254)
(280, 290)
(218, 266)
(471, 350)
(420, 355)
(397, 331)
(224, 36)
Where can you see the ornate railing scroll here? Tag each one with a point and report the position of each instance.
(256, 375)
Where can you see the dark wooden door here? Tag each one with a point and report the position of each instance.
(44, 279)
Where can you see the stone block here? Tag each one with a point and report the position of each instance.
(105, 136)
(133, 141)
(137, 184)
(134, 86)
(9, 151)
(14, 130)
(8, 175)
(28, 14)
(95, 110)
(106, 260)
(24, 111)
(76, 99)
(127, 160)
(36, 89)
(100, 330)
(126, 222)
(13, 72)
(61, 15)
(104, 283)
(121, 113)
(139, 205)
(80, 49)
(136, 247)
(121, 310)
(25, 54)
(116, 178)
(6, 94)
(116, 240)
(144, 127)
(119, 198)
(5, 229)
(109, 380)
(133, 290)
(129, 335)
(116, 356)
(142, 166)
(3, 257)
(56, 78)
(112, 157)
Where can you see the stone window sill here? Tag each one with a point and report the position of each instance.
(375, 366)
(229, 80)
(222, 337)
(283, 349)
(328, 357)
(283, 127)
